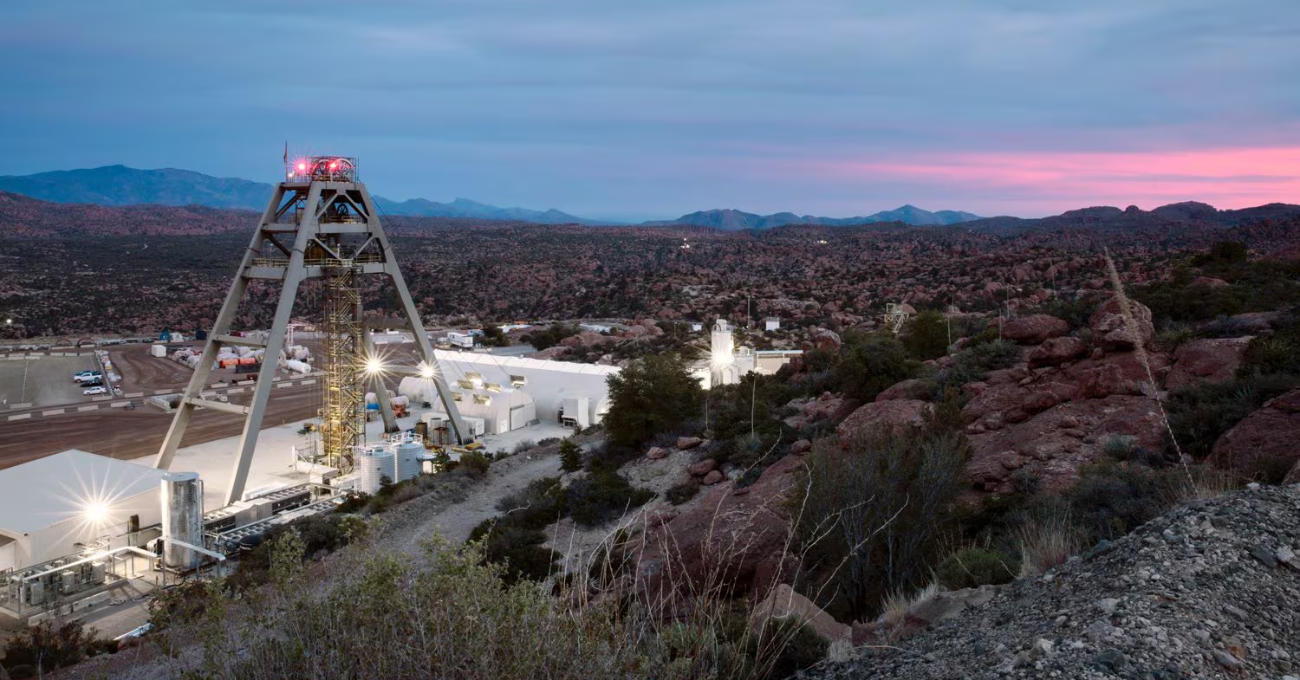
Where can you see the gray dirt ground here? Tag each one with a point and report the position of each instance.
(48, 380)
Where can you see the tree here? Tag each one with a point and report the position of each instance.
(872, 364)
(927, 336)
(652, 395)
(570, 456)
(493, 336)
(551, 335)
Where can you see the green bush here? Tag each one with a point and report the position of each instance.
(1112, 499)
(570, 456)
(871, 364)
(47, 646)
(926, 336)
(683, 492)
(973, 567)
(603, 495)
(1200, 414)
(475, 463)
(520, 552)
(651, 395)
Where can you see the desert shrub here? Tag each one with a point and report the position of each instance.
(570, 456)
(878, 505)
(536, 505)
(973, 363)
(1200, 414)
(319, 535)
(1074, 310)
(525, 445)
(1025, 482)
(1112, 499)
(475, 464)
(1126, 448)
(355, 502)
(550, 336)
(649, 396)
(871, 364)
(547, 441)
(973, 567)
(603, 495)
(46, 647)
(680, 493)
(519, 551)
(926, 336)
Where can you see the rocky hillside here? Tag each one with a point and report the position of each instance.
(1209, 590)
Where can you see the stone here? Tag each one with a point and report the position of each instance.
(656, 453)
(800, 447)
(827, 341)
(908, 389)
(1107, 605)
(896, 414)
(685, 443)
(1034, 329)
(1110, 329)
(1227, 660)
(784, 603)
(1208, 360)
(1264, 441)
(713, 477)
(1055, 351)
(702, 467)
(1111, 660)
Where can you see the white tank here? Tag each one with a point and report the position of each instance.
(408, 460)
(400, 401)
(415, 388)
(373, 463)
(297, 366)
(371, 398)
(182, 518)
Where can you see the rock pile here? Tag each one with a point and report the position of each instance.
(1209, 590)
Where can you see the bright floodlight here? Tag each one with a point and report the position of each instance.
(96, 513)
(374, 365)
(426, 371)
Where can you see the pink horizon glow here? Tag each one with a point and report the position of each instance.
(1224, 177)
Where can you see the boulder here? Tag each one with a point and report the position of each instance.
(827, 341)
(554, 352)
(736, 539)
(702, 468)
(800, 447)
(1110, 329)
(1209, 282)
(656, 453)
(684, 443)
(1035, 328)
(784, 603)
(1257, 322)
(1210, 360)
(899, 413)
(1264, 441)
(1055, 351)
(908, 389)
(713, 477)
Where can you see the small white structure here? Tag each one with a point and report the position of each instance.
(771, 323)
(547, 383)
(56, 506)
(696, 326)
(501, 409)
(722, 356)
(458, 339)
(595, 327)
(159, 351)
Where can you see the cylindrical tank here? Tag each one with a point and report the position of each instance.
(373, 464)
(400, 401)
(297, 366)
(182, 518)
(414, 388)
(408, 460)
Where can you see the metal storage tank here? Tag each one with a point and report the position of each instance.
(408, 460)
(182, 518)
(373, 463)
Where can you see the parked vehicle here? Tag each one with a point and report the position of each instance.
(88, 376)
(98, 389)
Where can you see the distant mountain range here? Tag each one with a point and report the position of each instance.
(118, 185)
(736, 220)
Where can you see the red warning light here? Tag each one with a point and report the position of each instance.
(302, 167)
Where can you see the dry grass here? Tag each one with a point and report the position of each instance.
(899, 602)
(1046, 543)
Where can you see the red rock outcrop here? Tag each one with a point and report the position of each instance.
(894, 414)
(1111, 332)
(1054, 444)
(1056, 351)
(1035, 328)
(1264, 441)
(733, 539)
(1211, 360)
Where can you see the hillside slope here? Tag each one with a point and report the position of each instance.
(1209, 590)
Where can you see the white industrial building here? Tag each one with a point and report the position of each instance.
(65, 503)
(727, 364)
(507, 393)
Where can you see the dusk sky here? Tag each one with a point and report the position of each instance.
(639, 110)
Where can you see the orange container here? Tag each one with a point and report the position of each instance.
(247, 361)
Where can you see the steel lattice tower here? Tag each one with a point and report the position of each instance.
(320, 223)
(343, 413)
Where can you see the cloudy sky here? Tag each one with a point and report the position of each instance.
(645, 109)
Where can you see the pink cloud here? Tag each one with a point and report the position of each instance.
(1226, 177)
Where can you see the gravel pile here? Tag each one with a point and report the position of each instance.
(1209, 590)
